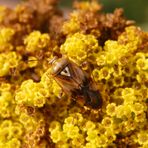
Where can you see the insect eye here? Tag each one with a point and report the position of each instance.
(66, 72)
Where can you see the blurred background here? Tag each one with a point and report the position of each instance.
(134, 9)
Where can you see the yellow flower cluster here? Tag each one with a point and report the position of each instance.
(77, 131)
(73, 25)
(36, 94)
(115, 51)
(36, 41)
(142, 138)
(8, 61)
(141, 61)
(131, 38)
(33, 123)
(6, 101)
(6, 36)
(49, 84)
(10, 134)
(69, 131)
(81, 48)
(31, 93)
(130, 112)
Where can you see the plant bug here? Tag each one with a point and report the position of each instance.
(75, 82)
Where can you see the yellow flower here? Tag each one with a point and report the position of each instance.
(14, 143)
(132, 38)
(142, 64)
(137, 108)
(142, 77)
(54, 126)
(141, 117)
(103, 141)
(57, 136)
(70, 120)
(71, 131)
(107, 122)
(78, 141)
(111, 109)
(95, 74)
(123, 110)
(6, 124)
(16, 131)
(142, 137)
(80, 44)
(90, 145)
(36, 41)
(5, 134)
(89, 125)
(73, 25)
(118, 81)
(7, 61)
(110, 135)
(127, 92)
(101, 58)
(114, 51)
(105, 73)
(92, 134)
(35, 93)
(6, 36)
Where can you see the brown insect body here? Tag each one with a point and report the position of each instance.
(75, 82)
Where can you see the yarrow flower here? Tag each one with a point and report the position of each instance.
(34, 109)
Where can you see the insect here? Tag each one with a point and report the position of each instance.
(75, 82)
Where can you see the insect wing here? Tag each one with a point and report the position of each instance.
(78, 75)
(65, 84)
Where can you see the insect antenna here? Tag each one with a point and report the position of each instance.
(52, 60)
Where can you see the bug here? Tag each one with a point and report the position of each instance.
(75, 82)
